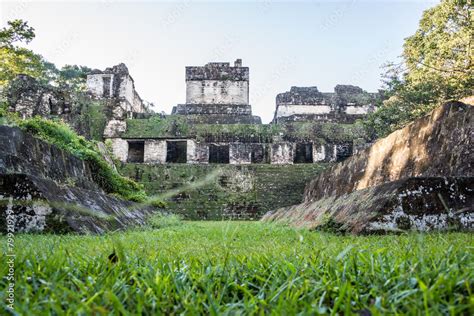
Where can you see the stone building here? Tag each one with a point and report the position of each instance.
(116, 84)
(217, 93)
(216, 124)
(346, 104)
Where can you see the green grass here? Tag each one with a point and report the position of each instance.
(243, 268)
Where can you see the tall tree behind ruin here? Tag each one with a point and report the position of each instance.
(437, 65)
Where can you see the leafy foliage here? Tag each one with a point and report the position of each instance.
(437, 66)
(17, 31)
(62, 136)
(16, 60)
(235, 268)
(73, 76)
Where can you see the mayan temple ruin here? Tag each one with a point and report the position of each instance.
(217, 100)
(256, 168)
(237, 158)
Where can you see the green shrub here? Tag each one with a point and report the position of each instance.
(61, 135)
(155, 202)
(164, 220)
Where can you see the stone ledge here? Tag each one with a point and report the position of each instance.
(206, 109)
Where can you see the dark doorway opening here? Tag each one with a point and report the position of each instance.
(258, 154)
(303, 153)
(176, 151)
(106, 83)
(218, 153)
(343, 152)
(136, 151)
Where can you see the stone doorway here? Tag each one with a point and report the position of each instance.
(303, 153)
(218, 153)
(136, 151)
(176, 151)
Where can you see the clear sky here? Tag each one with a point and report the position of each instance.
(306, 43)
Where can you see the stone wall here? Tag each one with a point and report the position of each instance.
(217, 83)
(240, 153)
(36, 204)
(22, 153)
(116, 83)
(422, 204)
(155, 151)
(216, 191)
(217, 92)
(28, 97)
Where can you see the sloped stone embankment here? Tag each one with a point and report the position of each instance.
(419, 177)
(44, 189)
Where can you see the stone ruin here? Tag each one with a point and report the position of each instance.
(46, 189)
(419, 177)
(114, 87)
(218, 94)
(117, 85)
(27, 97)
(346, 104)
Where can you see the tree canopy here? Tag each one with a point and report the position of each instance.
(15, 60)
(437, 65)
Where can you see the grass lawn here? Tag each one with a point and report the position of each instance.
(242, 268)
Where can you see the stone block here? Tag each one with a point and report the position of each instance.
(155, 151)
(282, 153)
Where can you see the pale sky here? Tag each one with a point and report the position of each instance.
(305, 43)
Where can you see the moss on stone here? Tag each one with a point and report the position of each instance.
(236, 191)
(175, 126)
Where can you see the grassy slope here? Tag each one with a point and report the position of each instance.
(221, 267)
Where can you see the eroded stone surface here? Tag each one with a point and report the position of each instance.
(439, 144)
(422, 204)
(45, 189)
(41, 205)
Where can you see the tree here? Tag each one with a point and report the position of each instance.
(437, 65)
(73, 76)
(16, 60)
(441, 50)
(17, 31)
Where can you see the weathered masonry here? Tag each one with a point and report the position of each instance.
(216, 125)
(191, 151)
(218, 94)
(117, 86)
(346, 104)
